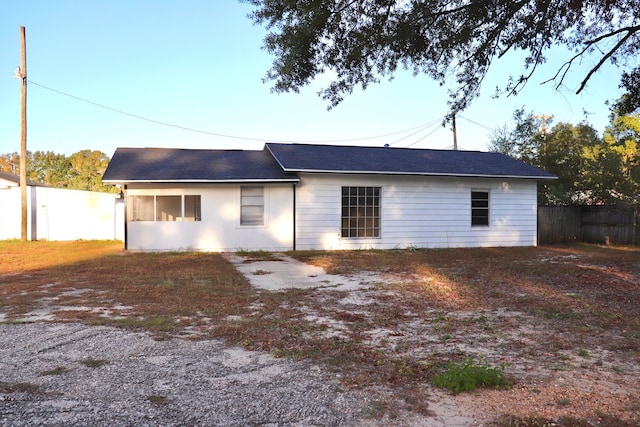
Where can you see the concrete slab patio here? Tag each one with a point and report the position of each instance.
(283, 272)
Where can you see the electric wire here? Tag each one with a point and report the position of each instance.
(135, 116)
(425, 126)
(476, 123)
(424, 137)
(139, 117)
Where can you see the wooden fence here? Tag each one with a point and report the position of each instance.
(592, 224)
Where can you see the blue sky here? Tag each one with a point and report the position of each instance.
(199, 65)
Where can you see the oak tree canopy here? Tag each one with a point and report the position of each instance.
(364, 41)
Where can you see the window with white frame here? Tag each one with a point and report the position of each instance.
(191, 208)
(163, 208)
(168, 208)
(479, 208)
(360, 212)
(251, 205)
(141, 208)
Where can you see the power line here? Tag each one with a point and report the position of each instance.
(476, 123)
(424, 137)
(423, 127)
(135, 116)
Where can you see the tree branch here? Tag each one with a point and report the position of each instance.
(630, 32)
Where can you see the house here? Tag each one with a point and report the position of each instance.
(57, 213)
(302, 196)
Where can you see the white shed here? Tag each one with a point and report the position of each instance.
(59, 214)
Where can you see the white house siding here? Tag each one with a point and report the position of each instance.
(219, 229)
(428, 212)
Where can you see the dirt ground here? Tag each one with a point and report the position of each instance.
(551, 380)
(564, 322)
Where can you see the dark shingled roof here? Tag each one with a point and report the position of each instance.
(281, 162)
(180, 165)
(380, 160)
(16, 179)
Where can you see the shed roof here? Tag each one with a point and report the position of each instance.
(15, 179)
(186, 165)
(400, 161)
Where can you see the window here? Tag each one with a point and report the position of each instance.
(479, 208)
(192, 208)
(163, 208)
(251, 205)
(141, 208)
(360, 211)
(168, 208)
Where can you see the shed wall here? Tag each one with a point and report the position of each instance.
(61, 214)
(427, 212)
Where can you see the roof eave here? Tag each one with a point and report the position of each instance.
(455, 175)
(197, 181)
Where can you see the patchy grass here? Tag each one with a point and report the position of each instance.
(94, 363)
(21, 257)
(162, 293)
(259, 255)
(59, 370)
(540, 310)
(469, 375)
(19, 388)
(604, 421)
(158, 400)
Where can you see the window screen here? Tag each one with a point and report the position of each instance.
(192, 208)
(168, 208)
(140, 208)
(163, 208)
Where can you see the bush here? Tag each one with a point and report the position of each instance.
(467, 376)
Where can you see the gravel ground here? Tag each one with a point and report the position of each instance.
(46, 379)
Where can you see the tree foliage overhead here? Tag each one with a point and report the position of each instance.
(362, 41)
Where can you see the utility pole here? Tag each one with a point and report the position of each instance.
(455, 135)
(21, 73)
(544, 119)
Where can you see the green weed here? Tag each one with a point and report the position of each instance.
(468, 375)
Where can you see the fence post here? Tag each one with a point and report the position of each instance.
(635, 225)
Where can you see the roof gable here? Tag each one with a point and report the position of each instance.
(400, 161)
(185, 165)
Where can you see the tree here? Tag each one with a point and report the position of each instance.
(87, 168)
(362, 41)
(49, 168)
(618, 171)
(567, 154)
(591, 169)
(80, 171)
(10, 163)
(525, 141)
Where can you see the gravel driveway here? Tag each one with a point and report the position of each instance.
(71, 374)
